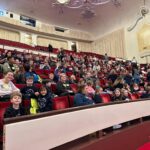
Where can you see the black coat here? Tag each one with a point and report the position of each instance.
(11, 112)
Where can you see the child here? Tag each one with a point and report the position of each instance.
(125, 95)
(15, 109)
(44, 100)
(29, 90)
(98, 91)
(117, 95)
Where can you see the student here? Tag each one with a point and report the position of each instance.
(117, 95)
(97, 97)
(81, 98)
(125, 95)
(44, 100)
(63, 87)
(29, 90)
(15, 109)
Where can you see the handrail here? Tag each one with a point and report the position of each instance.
(57, 112)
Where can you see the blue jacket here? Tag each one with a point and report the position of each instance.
(81, 100)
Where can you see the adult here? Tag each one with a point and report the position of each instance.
(6, 85)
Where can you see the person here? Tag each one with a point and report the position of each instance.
(117, 95)
(119, 83)
(44, 100)
(90, 89)
(106, 58)
(50, 48)
(51, 80)
(97, 98)
(125, 95)
(61, 55)
(63, 87)
(81, 99)
(15, 109)
(29, 90)
(7, 86)
(9, 65)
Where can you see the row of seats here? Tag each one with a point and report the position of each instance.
(53, 87)
(16, 44)
(58, 103)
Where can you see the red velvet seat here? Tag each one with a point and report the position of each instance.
(134, 96)
(71, 101)
(4, 104)
(60, 102)
(26, 103)
(53, 88)
(74, 87)
(38, 85)
(20, 86)
(2, 111)
(105, 98)
(39, 71)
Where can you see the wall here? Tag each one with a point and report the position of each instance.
(86, 47)
(113, 44)
(9, 35)
(42, 41)
(132, 45)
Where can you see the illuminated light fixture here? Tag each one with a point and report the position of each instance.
(80, 3)
(62, 1)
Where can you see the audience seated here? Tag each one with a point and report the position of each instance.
(103, 76)
(81, 98)
(63, 87)
(15, 109)
(7, 86)
(44, 100)
(29, 90)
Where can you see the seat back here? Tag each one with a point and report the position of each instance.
(74, 87)
(20, 86)
(4, 104)
(134, 96)
(105, 98)
(71, 101)
(53, 88)
(60, 102)
(2, 111)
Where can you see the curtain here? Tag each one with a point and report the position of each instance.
(113, 44)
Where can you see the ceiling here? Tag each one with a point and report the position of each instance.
(108, 17)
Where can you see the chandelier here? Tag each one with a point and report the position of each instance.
(80, 3)
(86, 6)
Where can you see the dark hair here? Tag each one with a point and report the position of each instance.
(9, 57)
(43, 88)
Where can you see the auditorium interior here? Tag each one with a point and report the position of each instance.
(75, 75)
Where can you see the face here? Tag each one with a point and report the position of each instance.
(43, 92)
(51, 76)
(125, 93)
(29, 81)
(63, 78)
(9, 76)
(16, 100)
(117, 93)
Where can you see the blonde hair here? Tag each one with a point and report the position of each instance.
(15, 94)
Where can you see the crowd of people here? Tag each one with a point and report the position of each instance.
(92, 75)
